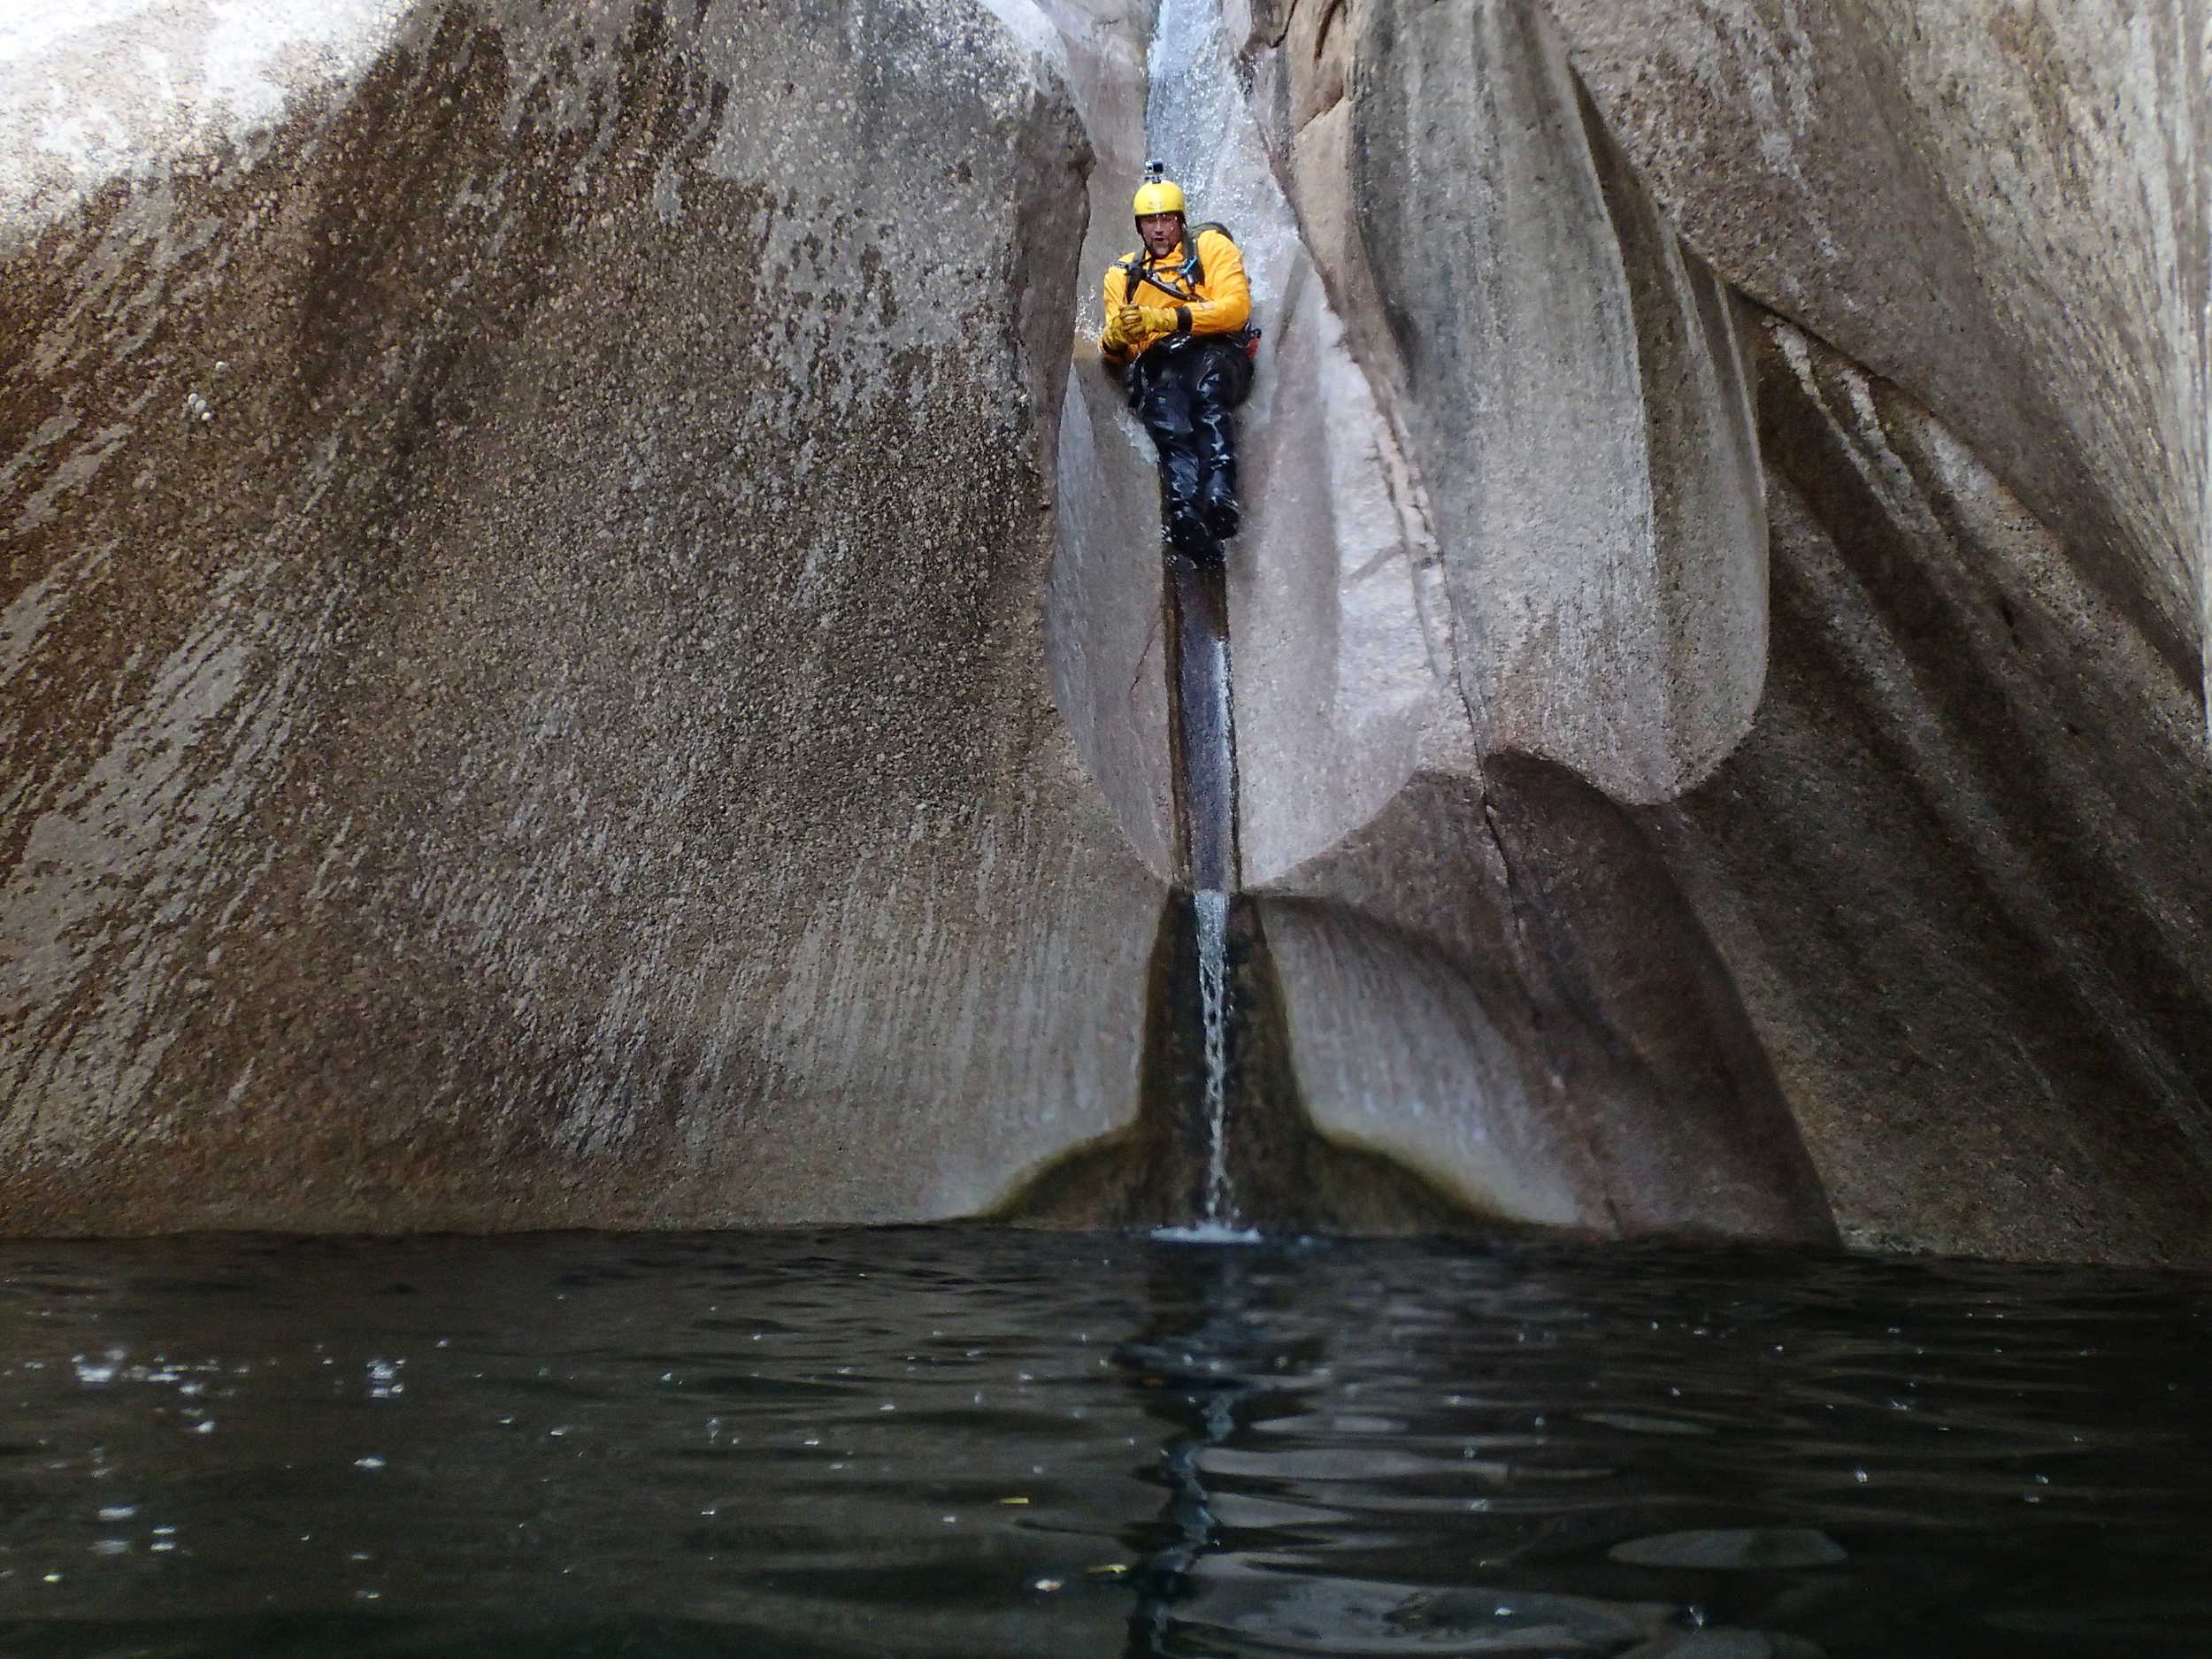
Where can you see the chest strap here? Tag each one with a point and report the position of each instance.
(1136, 268)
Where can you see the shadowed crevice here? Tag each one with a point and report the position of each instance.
(1201, 726)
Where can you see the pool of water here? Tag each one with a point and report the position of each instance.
(971, 1443)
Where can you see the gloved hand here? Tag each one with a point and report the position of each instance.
(1115, 336)
(1149, 319)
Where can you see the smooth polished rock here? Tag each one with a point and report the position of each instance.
(525, 703)
(1105, 640)
(1957, 870)
(1365, 681)
(1397, 1050)
(1949, 871)
(1571, 382)
(1499, 985)
(2004, 208)
(1566, 375)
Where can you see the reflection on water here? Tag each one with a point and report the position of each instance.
(944, 1442)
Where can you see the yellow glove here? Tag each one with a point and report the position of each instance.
(1114, 337)
(1143, 321)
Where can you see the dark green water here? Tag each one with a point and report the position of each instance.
(967, 1444)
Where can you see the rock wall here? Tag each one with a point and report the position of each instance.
(525, 697)
(2001, 207)
(1474, 981)
(575, 652)
(1957, 868)
(1943, 877)
(1530, 1081)
(1566, 377)
(1499, 984)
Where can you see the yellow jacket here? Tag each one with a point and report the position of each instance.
(1219, 304)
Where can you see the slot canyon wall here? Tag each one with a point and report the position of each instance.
(1949, 864)
(524, 701)
(578, 653)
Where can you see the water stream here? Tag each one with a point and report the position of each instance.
(1213, 997)
(1187, 113)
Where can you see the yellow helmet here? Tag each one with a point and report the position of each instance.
(1158, 194)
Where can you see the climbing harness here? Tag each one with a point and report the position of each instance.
(1192, 274)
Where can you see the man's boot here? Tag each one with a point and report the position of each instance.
(1184, 522)
(1217, 439)
(1218, 499)
(1190, 538)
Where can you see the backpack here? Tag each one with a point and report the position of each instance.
(1133, 271)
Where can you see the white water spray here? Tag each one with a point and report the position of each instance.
(1213, 1001)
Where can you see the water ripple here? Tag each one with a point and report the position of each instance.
(979, 1443)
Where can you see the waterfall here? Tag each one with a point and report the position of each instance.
(1195, 121)
(1213, 999)
(1192, 106)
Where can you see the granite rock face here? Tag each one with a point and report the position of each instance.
(1942, 883)
(576, 653)
(1474, 981)
(1565, 378)
(1957, 868)
(2004, 208)
(1461, 983)
(1499, 984)
(525, 704)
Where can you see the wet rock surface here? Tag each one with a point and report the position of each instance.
(1284, 1170)
(576, 653)
(526, 704)
(1570, 376)
(1943, 890)
(2003, 209)
(1563, 376)
(1538, 922)
(1546, 1074)
(1956, 869)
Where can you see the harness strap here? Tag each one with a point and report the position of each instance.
(1137, 268)
(1134, 273)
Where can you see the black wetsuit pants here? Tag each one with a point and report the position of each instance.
(1186, 390)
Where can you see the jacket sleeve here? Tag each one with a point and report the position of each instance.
(1116, 286)
(1227, 307)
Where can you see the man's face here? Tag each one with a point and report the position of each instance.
(1161, 231)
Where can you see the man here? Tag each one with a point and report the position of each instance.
(1178, 311)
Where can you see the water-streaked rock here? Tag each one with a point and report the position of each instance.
(2005, 210)
(524, 696)
(1957, 870)
(576, 652)
(1568, 377)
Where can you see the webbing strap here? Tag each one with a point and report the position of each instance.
(1137, 268)
(1135, 272)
